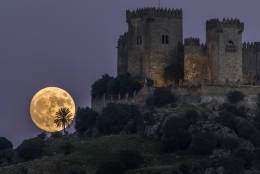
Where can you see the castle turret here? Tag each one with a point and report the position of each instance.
(152, 40)
(251, 63)
(122, 53)
(195, 61)
(224, 42)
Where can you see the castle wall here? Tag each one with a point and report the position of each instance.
(195, 61)
(150, 58)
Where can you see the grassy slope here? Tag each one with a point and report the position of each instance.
(88, 153)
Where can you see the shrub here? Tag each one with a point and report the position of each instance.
(56, 135)
(228, 119)
(111, 167)
(77, 170)
(99, 88)
(229, 143)
(122, 85)
(115, 118)
(173, 72)
(131, 159)
(6, 155)
(31, 149)
(232, 165)
(255, 139)
(161, 97)
(85, 119)
(245, 156)
(203, 143)
(245, 129)
(5, 144)
(67, 148)
(235, 97)
(191, 116)
(175, 135)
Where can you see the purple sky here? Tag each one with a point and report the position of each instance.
(71, 43)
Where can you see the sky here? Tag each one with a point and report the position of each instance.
(71, 43)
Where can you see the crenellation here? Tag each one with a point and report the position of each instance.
(192, 41)
(154, 35)
(153, 12)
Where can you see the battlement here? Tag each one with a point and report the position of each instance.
(251, 45)
(192, 41)
(225, 23)
(154, 12)
(122, 39)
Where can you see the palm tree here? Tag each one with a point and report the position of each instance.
(63, 118)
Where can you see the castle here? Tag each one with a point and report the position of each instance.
(155, 35)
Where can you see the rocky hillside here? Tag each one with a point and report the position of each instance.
(164, 137)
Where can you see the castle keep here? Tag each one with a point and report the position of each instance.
(155, 35)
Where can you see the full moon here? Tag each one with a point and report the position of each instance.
(46, 103)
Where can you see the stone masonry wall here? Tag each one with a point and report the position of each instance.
(195, 61)
(150, 58)
(224, 41)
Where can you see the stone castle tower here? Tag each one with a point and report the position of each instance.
(152, 42)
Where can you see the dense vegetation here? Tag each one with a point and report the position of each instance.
(122, 84)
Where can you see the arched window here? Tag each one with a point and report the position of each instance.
(165, 39)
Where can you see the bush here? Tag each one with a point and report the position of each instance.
(232, 165)
(175, 135)
(122, 85)
(85, 119)
(56, 135)
(245, 129)
(67, 148)
(161, 97)
(31, 149)
(99, 88)
(131, 159)
(229, 143)
(5, 144)
(203, 143)
(6, 155)
(117, 117)
(191, 116)
(245, 156)
(111, 168)
(235, 97)
(228, 119)
(77, 170)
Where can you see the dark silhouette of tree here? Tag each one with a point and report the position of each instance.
(63, 118)
(5, 144)
(85, 119)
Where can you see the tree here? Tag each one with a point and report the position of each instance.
(31, 148)
(173, 72)
(99, 88)
(63, 118)
(111, 167)
(175, 135)
(131, 159)
(115, 118)
(161, 97)
(235, 97)
(85, 119)
(5, 144)
(203, 143)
